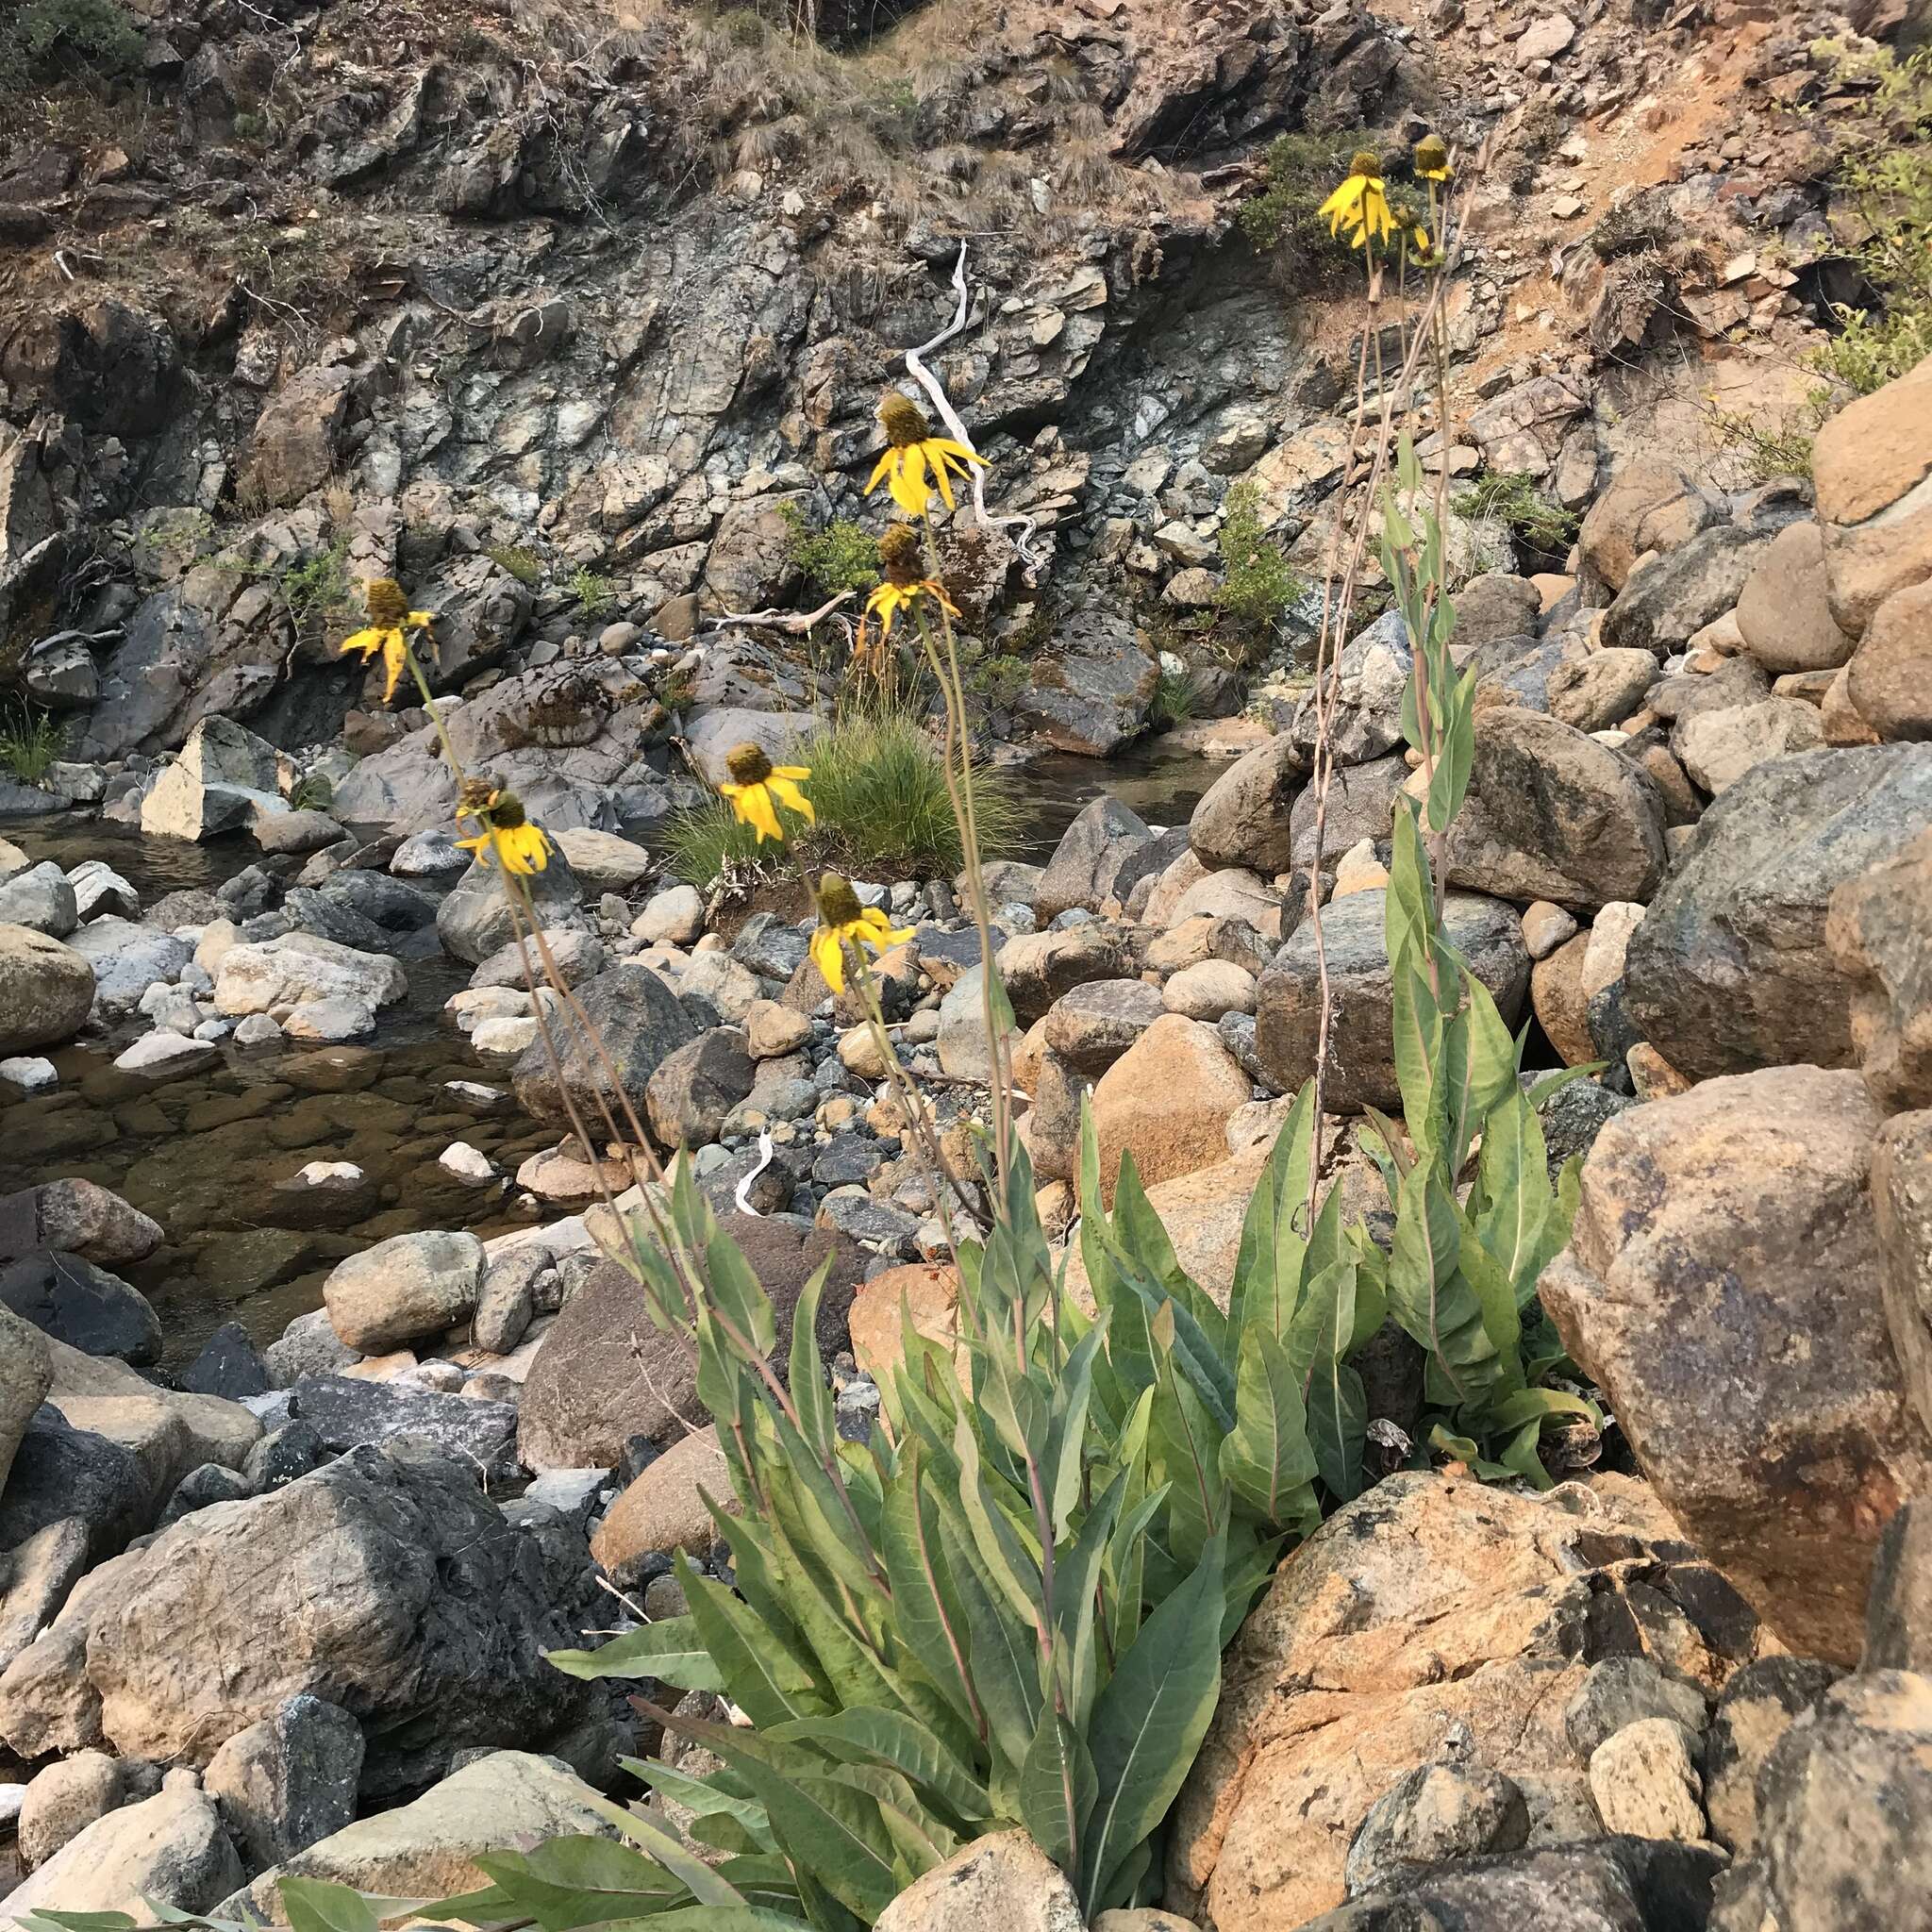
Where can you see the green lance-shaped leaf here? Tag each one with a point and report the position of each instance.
(1266, 1457)
(1058, 1789)
(1003, 1652)
(1478, 1072)
(1337, 1409)
(738, 1298)
(1427, 1294)
(1003, 1551)
(902, 1742)
(811, 1394)
(1268, 1262)
(669, 1650)
(926, 1611)
(578, 1881)
(317, 1905)
(1449, 781)
(763, 1675)
(1079, 1564)
(1149, 1722)
(1419, 1038)
(704, 1797)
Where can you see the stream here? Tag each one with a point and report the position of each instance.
(210, 1155)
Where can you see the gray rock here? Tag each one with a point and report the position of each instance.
(696, 1086)
(1089, 857)
(1091, 690)
(309, 1346)
(1898, 1608)
(223, 777)
(61, 1472)
(575, 956)
(1245, 818)
(24, 1379)
(1437, 1811)
(39, 899)
(1674, 597)
(1754, 1710)
(1361, 1068)
(1730, 969)
(506, 1300)
(35, 1580)
(475, 920)
(169, 1849)
(769, 947)
(81, 1305)
(288, 1780)
(229, 1365)
(1625, 1690)
(877, 1225)
(1361, 800)
(1094, 1024)
(283, 1455)
(46, 989)
(348, 1413)
(638, 1023)
(1040, 968)
(79, 1217)
(407, 1286)
(296, 832)
(1372, 676)
(208, 1483)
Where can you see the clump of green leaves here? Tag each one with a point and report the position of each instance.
(317, 587)
(29, 745)
(1257, 584)
(843, 555)
(521, 562)
(1768, 450)
(1887, 172)
(595, 594)
(40, 38)
(1284, 219)
(1176, 698)
(1517, 502)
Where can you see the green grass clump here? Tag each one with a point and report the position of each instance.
(48, 37)
(522, 563)
(1516, 502)
(1176, 698)
(595, 594)
(842, 556)
(879, 786)
(29, 745)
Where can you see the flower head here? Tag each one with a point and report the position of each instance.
(912, 449)
(389, 619)
(842, 921)
(1361, 203)
(1431, 159)
(508, 837)
(904, 586)
(757, 787)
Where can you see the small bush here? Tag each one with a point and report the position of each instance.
(595, 594)
(44, 37)
(318, 589)
(1284, 218)
(29, 745)
(879, 786)
(1766, 451)
(1257, 583)
(1516, 502)
(522, 563)
(1176, 698)
(842, 556)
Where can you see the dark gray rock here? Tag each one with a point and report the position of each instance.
(774, 948)
(59, 1472)
(1754, 1710)
(383, 901)
(209, 1482)
(1361, 800)
(1091, 690)
(1624, 1691)
(506, 1300)
(636, 1020)
(1898, 1606)
(348, 1413)
(696, 1086)
(1361, 1068)
(230, 1364)
(475, 920)
(1089, 857)
(283, 1455)
(878, 1225)
(1673, 598)
(770, 1194)
(1574, 1116)
(1093, 1025)
(309, 1346)
(1437, 1811)
(1729, 970)
(848, 1158)
(287, 1781)
(81, 1305)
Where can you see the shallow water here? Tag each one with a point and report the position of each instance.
(206, 1154)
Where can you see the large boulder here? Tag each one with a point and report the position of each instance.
(1902, 1199)
(275, 976)
(1362, 1065)
(1167, 1101)
(1721, 1287)
(1040, 967)
(223, 776)
(695, 1089)
(168, 1850)
(1245, 818)
(1090, 689)
(1433, 1606)
(1878, 927)
(1648, 506)
(393, 1589)
(1088, 860)
(46, 989)
(81, 1305)
(24, 1377)
(1673, 596)
(477, 919)
(79, 1216)
(1730, 970)
(409, 1286)
(1888, 680)
(636, 1024)
(1370, 678)
(604, 1372)
(1783, 614)
(1869, 470)
(1552, 814)
(429, 1849)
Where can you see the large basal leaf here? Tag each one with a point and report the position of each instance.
(1268, 1263)
(1004, 1655)
(925, 1607)
(581, 1881)
(1266, 1457)
(1149, 1722)
(704, 1797)
(316, 1904)
(903, 1743)
(668, 1650)
(1427, 1293)
(1058, 1789)
(762, 1675)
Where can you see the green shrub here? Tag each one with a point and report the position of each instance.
(42, 37)
(595, 594)
(318, 588)
(1257, 583)
(1284, 219)
(29, 745)
(879, 786)
(1176, 698)
(1517, 502)
(521, 562)
(842, 556)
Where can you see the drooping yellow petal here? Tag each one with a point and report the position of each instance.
(941, 476)
(828, 956)
(422, 620)
(947, 447)
(910, 490)
(882, 469)
(367, 642)
(476, 844)
(753, 805)
(791, 771)
(787, 792)
(395, 654)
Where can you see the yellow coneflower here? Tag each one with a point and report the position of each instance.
(758, 787)
(508, 837)
(904, 586)
(390, 618)
(912, 449)
(1361, 203)
(1431, 159)
(843, 920)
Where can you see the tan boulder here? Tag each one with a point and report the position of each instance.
(932, 1296)
(1782, 610)
(1434, 1602)
(1875, 450)
(1004, 1880)
(1167, 1101)
(664, 1509)
(1721, 1287)
(26, 1375)
(1718, 747)
(1878, 929)
(1563, 1006)
(1648, 506)
(1888, 680)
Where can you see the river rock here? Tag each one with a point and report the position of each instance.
(275, 976)
(965, 1047)
(1361, 800)
(1782, 610)
(79, 1216)
(1731, 968)
(1245, 817)
(35, 1578)
(1088, 860)
(664, 1508)
(46, 989)
(1552, 814)
(1718, 747)
(475, 920)
(1361, 1070)
(602, 861)
(1210, 989)
(62, 1474)
(429, 1848)
(604, 1372)
(81, 1305)
(1601, 687)
(127, 960)
(673, 917)
(1003, 1879)
(1844, 1816)
(714, 984)
(1093, 1025)
(1089, 691)
(1674, 595)
(349, 1412)
(98, 888)
(63, 1800)
(41, 899)
(1437, 1811)
(1645, 1783)
(1902, 1198)
(1725, 1243)
(1167, 1101)
(409, 1286)
(168, 1849)
(288, 1781)
(696, 1086)
(24, 1377)
(636, 1022)
(575, 956)
(1648, 506)
(1040, 968)
(223, 776)
(419, 1610)
(1433, 1604)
